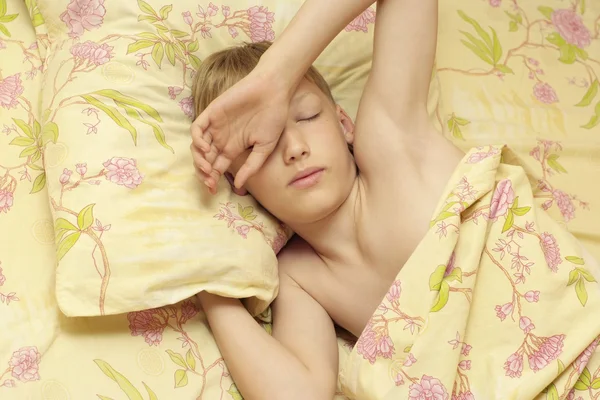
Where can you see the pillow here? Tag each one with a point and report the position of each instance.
(134, 229)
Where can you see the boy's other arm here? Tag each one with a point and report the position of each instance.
(298, 362)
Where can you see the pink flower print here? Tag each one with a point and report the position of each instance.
(503, 311)
(83, 50)
(25, 363)
(280, 241)
(428, 389)
(533, 62)
(174, 91)
(101, 54)
(360, 23)
(450, 266)
(535, 153)
(537, 361)
(366, 345)
(385, 347)
(526, 325)
(514, 365)
(260, 34)
(148, 324)
(65, 176)
(394, 293)
(226, 11)
(547, 204)
(123, 171)
(6, 200)
(545, 93)
(583, 359)
(399, 379)
(465, 365)
(9, 383)
(187, 106)
(533, 296)
(571, 28)
(188, 311)
(551, 251)
(410, 360)
(502, 199)
(82, 15)
(495, 3)
(552, 347)
(2, 277)
(2, 45)
(243, 231)
(10, 90)
(212, 10)
(260, 16)
(565, 205)
(466, 349)
(81, 168)
(233, 32)
(205, 32)
(187, 17)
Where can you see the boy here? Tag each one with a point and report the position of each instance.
(279, 133)
(348, 255)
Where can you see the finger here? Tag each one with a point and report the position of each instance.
(253, 163)
(211, 156)
(199, 131)
(200, 161)
(221, 164)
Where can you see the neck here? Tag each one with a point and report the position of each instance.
(334, 237)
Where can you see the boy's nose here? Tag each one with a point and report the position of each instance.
(296, 148)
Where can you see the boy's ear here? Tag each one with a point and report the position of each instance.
(230, 179)
(346, 123)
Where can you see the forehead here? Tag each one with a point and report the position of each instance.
(306, 89)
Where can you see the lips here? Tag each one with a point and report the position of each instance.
(307, 177)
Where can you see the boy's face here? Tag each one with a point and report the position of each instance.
(311, 171)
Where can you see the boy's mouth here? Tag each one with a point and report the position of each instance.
(306, 178)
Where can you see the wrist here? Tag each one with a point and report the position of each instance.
(278, 72)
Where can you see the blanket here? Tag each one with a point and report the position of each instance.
(498, 301)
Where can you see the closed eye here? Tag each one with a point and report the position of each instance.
(311, 118)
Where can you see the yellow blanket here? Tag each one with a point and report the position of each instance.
(497, 302)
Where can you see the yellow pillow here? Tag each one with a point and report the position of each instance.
(134, 229)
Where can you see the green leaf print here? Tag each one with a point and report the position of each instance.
(159, 134)
(234, 392)
(554, 164)
(104, 397)
(3, 8)
(158, 53)
(586, 275)
(151, 394)
(139, 45)
(164, 12)
(561, 367)
(505, 69)
(190, 359)
(170, 51)
(546, 11)
(22, 141)
(435, 280)
(595, 120)
(584, 381)
(130, 101)
(49, 133)
(513, 26)
(552, 393)
(177, 358)
(567, 54)
(555, 39)
(113, 114)
(39, 183)
(67, 244)
(596, 384)
(146, 8)
(575, 260)
(181, 378)
(486, 47)
(442, 297)
(4, 31)
(573, 277)
(581, 291)
(131, 392)
(510, 220)
(24, 127)
(85, 219)
(455, 275)
(590, 95)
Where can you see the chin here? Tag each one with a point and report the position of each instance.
(314, 207)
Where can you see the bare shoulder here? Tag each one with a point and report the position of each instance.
(297, 258)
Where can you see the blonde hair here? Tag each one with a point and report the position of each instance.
(223, 69)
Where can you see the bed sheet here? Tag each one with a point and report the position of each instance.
(534, 87)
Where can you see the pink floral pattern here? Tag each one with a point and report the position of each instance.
(428, 389)
(545, 93)
(24, 364)
(551, 251)
(187, 106)
(362, 22)
(6, 200)
(83, 15)
(503, 198)
(261, 20)
(123, 171)
(148, 323)
(92, 53)
(10, 90)
(571, 28)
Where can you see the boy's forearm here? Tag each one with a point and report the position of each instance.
(261, 367)
(315, 25)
